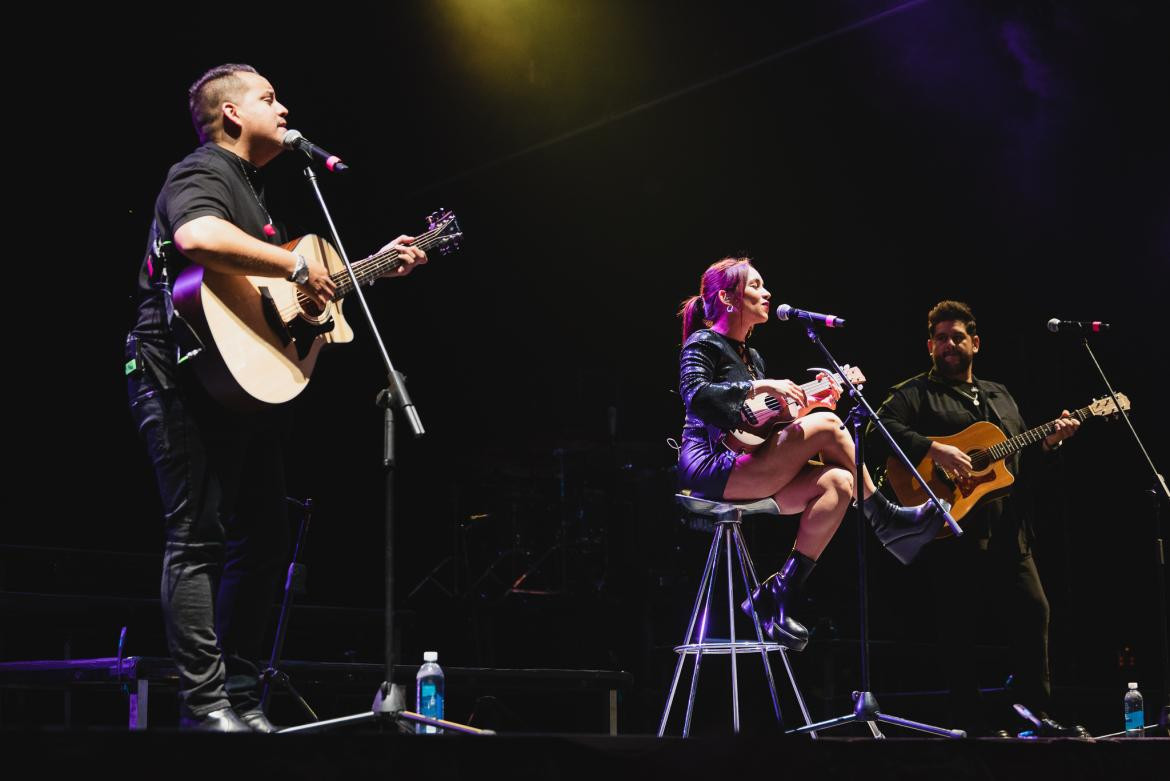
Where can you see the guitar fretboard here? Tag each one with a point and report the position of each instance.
(369, 269)
(1017, 443)
(774, 404)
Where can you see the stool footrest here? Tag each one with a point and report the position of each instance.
(725, 647)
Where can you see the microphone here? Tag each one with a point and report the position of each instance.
(786, 312)
(293, 139)
(1076, 326)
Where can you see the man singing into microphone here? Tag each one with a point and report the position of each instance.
(220, 474)
(988, 573)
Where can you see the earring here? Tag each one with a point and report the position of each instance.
(730, 308)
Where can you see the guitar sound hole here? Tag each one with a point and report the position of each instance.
(310, 307)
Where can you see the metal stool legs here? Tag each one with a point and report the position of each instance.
(727, 538)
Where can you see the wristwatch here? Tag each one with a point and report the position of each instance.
(300, 274)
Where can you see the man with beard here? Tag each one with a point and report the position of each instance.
(989, 572)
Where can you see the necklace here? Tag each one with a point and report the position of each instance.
(269, 228)
(973, 395)
(745, 356)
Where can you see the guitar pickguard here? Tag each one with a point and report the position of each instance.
(964, 485)
(304, 332)
(273, 318)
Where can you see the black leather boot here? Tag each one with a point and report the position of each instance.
(904, 531)
(777, 596)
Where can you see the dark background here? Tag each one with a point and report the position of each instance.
(871, 157)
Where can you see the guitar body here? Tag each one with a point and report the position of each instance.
(759, 424)
(261, 337)
(965, 493)
(260, 343)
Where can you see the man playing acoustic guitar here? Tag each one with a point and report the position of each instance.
(991, 567)
(220, 473)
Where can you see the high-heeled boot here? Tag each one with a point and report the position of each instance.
(904, 531)
(775, 599)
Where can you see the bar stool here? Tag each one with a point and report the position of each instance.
(727, 517)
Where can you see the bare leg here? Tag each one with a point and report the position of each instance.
(821, 495)
(779, 460)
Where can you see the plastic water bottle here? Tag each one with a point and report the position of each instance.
(1135, 713)
(429, 684)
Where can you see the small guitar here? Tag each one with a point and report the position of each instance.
(261, 335)
(765, 413)
(987, 447)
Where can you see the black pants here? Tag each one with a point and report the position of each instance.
(988, 591)
(220, 476)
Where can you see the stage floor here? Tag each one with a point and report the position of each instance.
(352, 753)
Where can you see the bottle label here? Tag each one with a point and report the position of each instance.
(1135, 719)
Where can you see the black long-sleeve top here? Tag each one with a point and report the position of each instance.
(714, 382)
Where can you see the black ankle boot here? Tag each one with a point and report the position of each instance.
(904, 531)
(777, 596)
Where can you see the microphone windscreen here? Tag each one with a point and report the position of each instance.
(291, 139)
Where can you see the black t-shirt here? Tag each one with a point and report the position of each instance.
(209, 181)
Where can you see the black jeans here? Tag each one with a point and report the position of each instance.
(220, 476)
(981, 585)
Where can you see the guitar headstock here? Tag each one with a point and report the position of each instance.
(443, 231)
(1106, 407)
(854, 374)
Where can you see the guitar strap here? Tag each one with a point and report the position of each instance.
(187, 342)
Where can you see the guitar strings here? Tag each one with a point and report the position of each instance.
(365, 269)
(816, 386)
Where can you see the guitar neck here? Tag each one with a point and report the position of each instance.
(367, 270)
(1013, 445)
(813, 388)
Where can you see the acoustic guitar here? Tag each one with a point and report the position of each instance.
(261, 336)
(987, 446)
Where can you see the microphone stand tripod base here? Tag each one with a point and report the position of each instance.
(390, 707)
(867, 711)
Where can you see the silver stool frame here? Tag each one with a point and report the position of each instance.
(728, 535)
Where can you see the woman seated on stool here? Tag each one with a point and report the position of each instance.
(718, 374)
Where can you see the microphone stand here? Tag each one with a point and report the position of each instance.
(390, 700)
(273, 676)
(865, 705)
(1156, 494)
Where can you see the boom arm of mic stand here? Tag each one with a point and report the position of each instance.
(859, 398)
(1159, 479)
(398, 394)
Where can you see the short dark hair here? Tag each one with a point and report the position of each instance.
(209, 92)
(950, 310)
